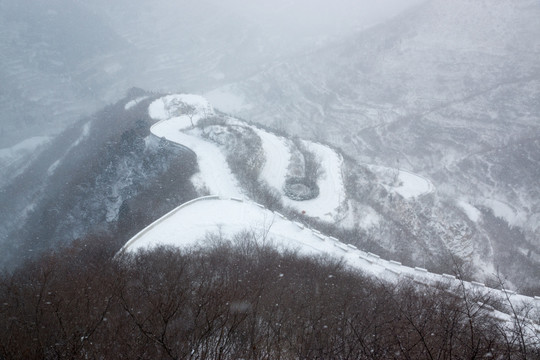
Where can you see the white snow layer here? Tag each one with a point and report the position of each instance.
(130, 104)
(506, 212)
(25, 146)
(277, 155)
(84, 134)
(189, 224)
(214, 173)
(331, 188)
(16, 152)
(413, 185)
(227, 100)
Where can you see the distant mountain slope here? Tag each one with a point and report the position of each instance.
(384, 209)
(450, 89)
(435, 55)
(70, 58)
(46, 51)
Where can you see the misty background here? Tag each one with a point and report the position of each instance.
(63, 58)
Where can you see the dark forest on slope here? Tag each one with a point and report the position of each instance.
(239, 300)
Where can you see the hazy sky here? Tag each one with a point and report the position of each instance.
(157, 45)
(301, 17)
(337, 13)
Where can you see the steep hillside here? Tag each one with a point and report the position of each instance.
(62, 58)
(132, 162)
(384, 209)
(105, 175)
(436, 55)
(449, 90)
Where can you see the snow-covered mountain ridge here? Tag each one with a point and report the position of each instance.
(204, 220)
(104, 176)
(210, 142)
(449, 90)
(397, 208)
(390, 211)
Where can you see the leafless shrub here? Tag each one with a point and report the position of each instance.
(237, 299)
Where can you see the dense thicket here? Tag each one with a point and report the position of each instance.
(241, 301)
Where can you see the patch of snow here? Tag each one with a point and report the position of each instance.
(331, 188)
(505, 211)
(14, 160)
(278, 155)
(407, 184)
(369, 218)
(24, 147)
(472, 213)
(226, 100)
(114, 200)
(347, 215)
(84, 134)
(134, 102)
(53, 167)
(413, 185)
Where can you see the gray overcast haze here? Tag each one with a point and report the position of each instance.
(71, 57)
